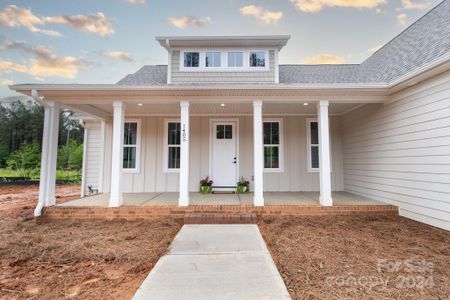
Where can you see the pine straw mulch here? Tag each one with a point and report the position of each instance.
(359, 257)
(74, 259)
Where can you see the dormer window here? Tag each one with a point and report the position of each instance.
(235, 59)
(191, 59)
(212, 59)
(257, 59)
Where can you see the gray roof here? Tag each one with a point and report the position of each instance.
(425, 41)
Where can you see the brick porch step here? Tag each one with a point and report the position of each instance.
(220, 218)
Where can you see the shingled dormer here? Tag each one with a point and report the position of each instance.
(223, 59)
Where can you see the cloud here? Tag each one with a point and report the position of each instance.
(94, 23)
(7, 82)
(408, 4)
(44, 63)
(8, 67)
(183, 22)
(13, 16)
(317, 5)
(264, 16)
(375, 48)
(324, 59)
(138, 2)
(117, 55)
(402, 19)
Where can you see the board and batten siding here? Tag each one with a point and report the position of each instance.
(152, 178)
(399, 152)
(186, 77)
(94, 145)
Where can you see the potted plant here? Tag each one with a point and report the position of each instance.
(243, 186)
(206, 185)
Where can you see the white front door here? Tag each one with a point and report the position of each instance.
(224, 160)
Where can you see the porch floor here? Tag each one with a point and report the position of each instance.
(270, 198)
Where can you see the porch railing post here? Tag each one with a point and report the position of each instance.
(324, 154)
(184, 154)
(116, 197)
(258, 163)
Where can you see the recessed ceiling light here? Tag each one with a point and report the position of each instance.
(222, 104)
(140, 104)
(305, 104)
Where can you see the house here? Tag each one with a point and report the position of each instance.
(224, 107)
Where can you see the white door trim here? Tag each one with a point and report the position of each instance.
(211, 132)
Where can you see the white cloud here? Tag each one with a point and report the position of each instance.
(408, 4)
(324, 59)
(7, 82)
(375, 48)
(13, 16)
(264, 16)
(317, 5)
(402, 19)
(44, 63)
(94, 23)
(125, 56)
(183, 22)
(138, 2)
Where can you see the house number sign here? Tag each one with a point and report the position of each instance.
(183, 133)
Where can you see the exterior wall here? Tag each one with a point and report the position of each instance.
(399, 153)
(93, 144)
(295, 177)
(186, 77)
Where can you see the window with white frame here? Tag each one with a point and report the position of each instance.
(212, 59)
(273, 145)
(130, 145)
(257, 59)
(313, 145)
(235, 59)
(191, 59)
(173, 134)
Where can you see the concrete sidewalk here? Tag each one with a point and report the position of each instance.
(215, 262)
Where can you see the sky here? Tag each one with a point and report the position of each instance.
(101, 41)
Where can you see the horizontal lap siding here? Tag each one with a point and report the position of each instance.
(400, 152)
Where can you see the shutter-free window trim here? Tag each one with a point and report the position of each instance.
(271, 144)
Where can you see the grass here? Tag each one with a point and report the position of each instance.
(72, 176)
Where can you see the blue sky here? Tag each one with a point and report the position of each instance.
(100, 41)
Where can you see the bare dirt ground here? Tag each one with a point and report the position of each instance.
(359, 257)
(74, 259)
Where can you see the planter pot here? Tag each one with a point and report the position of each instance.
(205, 189)
(242, 189)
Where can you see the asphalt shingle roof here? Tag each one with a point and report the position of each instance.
(426, 40)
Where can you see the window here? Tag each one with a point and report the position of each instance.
(173, 134)
(235, 59)
(130, 145)
(257, 59)
(212, 59)
(313, 145)
(224, 132)
(191, 59)
(272, 131)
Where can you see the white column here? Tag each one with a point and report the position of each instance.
(184, 155)
(116, 198)
(258, 160)
(47, 178)
(324, 154)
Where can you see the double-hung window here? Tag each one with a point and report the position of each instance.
(172, 149)
(313, 145)
(257, 59)
(191, 59)
(212, 59)
(273, 145)
(131, 145)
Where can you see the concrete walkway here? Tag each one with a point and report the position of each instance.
(215, 262)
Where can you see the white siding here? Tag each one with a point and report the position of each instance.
(93, 155)
(400, 152)
(295, 177)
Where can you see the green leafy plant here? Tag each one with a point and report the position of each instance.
(242, 186)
